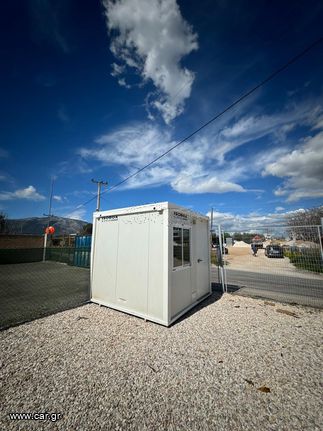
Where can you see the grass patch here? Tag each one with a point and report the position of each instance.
(310, 259)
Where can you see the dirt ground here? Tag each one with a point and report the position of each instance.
(241, 258)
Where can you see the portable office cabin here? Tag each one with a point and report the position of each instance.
(152, 261)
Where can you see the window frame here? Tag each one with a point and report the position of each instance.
(186, 265)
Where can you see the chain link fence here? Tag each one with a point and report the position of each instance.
(278, 263)
(281, 263)
(35, 282)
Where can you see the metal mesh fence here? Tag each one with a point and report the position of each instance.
(34, 284)
(278, 262)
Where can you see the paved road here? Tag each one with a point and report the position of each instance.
(276, 287)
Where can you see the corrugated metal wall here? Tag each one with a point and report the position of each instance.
(82, 253)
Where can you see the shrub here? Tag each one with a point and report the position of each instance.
(309, 259)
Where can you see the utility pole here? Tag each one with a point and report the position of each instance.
(211, 219)
(211, 227)
(48, 215)
(320, 237)
(99, 183)
(50, 202)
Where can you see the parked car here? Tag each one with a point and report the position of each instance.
(274, 250)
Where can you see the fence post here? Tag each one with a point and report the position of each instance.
(320, 239)
(221, 261)
(45, 245)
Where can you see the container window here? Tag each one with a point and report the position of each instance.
(186, 247)
(181, 247)
(177, 247)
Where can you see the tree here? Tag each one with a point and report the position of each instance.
(215, 237)
(299, 223)
(237, 236)
(3, 222)
(244, 236)
(87, 229)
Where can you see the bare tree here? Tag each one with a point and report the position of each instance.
(299, 222)
(86, 229)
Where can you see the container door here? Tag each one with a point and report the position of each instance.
(133, 262)
(105, 260)
(202, 258)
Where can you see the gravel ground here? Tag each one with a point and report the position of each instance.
(105, 370)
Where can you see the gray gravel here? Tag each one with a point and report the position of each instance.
(104, 370)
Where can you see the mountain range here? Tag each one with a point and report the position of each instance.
(37, 225)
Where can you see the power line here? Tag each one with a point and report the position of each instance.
(85, 203)
(240, 99)
(90, 200)
(228, 108)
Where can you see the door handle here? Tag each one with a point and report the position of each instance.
(199, 260)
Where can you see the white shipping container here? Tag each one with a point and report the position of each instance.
(152, 261)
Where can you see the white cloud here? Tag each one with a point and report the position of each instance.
(319, 123)
(208, 184)
(77, 214)
(57, 198)
(277, 125)
(236, 222)
(80, 193)
(7, 178)
(29, 193)
(117, 69)
(279, 209)
(152, 39)
(122, 83)
(252, 222)
(135, 144)
(301, 165)
(205, 164)
(184, 169)
(75, 165)
(302, 168)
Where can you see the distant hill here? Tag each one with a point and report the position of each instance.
(36, 225)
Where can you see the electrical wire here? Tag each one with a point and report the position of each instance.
(228, 108)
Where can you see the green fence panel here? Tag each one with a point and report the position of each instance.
(60, 254)
(82, 257)
(79, 256)
(20, 255)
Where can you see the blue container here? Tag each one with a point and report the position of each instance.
(82, 254)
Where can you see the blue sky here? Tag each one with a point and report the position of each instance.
(99, 89)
